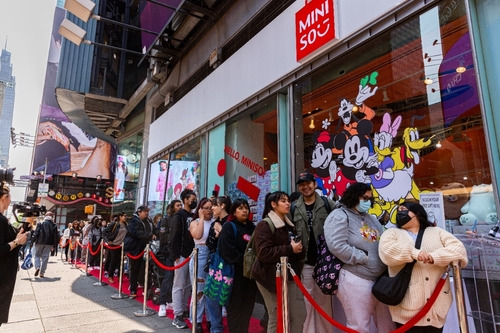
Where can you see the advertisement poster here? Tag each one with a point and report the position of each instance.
(157, 180)
(121, 175)
(182, 175)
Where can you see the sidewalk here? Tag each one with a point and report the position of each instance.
(67, 301)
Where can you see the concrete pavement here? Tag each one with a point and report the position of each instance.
(66, 300)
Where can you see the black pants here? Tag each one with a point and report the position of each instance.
(422, 329)
(167, 283)
(94, 260)
(113, 261)
(136, 272)
(241, 303)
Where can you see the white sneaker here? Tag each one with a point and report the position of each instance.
(224, 312)
(162, 312)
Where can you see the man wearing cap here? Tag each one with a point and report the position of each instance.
(309, 215)
(45, 238)
(139, 233)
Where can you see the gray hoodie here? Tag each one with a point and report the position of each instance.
(353, 238)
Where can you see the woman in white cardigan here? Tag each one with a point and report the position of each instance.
(438, 249)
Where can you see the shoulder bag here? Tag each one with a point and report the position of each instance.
(392, 290)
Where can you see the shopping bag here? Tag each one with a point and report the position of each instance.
(220, 280)
(28, 261)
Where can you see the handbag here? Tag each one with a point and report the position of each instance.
(220, 279)
(327, 268)
(392, 290)
(28, 261)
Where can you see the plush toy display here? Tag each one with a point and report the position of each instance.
(481, 206)
(455, 195)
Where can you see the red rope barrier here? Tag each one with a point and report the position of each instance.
(168, 268)
(279, 303)
(426, 307)
(135, 257)
(111, 247)
(96, 251)
(63, 246)
(317, 307)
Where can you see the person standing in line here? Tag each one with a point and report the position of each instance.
(75, 236)
(45, 238)
(353, 235)
(115, 255)
(232, 247)
(168, 275)
(309, 218)
(10, 240)
(270, 244)
(139, 233)
(65, 239)
(199, 229)
(438, 249)
(95, 236)
(220, 208)
(181, 246)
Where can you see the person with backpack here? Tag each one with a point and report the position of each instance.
(275, 237)
(168, 275)
(308, 214)
(45, 238)
(114, 234)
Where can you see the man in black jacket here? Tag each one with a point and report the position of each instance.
(45, 238)
(181, 246)
(139, 233)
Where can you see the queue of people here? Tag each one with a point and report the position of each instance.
(221, 224)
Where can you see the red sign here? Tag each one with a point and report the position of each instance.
(314, 27)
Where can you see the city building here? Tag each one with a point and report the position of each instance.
(7, 97)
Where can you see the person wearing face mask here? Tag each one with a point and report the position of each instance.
(352, 235)
(438, 249)
(181, 246)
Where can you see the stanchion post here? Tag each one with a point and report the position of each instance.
(98, 283)
(61, 249)
(145, 312)
(86, 261)
(284, 275)
(194, 296)
(120, 277)
(459, 297)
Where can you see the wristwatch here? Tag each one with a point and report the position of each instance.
(15, 242)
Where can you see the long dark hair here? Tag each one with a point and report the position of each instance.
(237, 203)
(224, 200)
(171, 207)
(419, 212)
(202, 202)
(350, 199)
(273, 197)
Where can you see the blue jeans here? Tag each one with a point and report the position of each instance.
(214, 311)
(203, 253)
(42, 253)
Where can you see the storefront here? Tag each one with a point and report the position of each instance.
(394, 101)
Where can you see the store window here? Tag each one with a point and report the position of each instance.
(402, 113)
(157, 188)
(250, 165)
(127, 173)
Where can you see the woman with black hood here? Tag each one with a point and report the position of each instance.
(438, 249)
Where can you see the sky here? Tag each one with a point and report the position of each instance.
(26, 26)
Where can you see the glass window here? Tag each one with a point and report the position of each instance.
(184, 170)
(251, 155)
(158, 171)
(401, 112)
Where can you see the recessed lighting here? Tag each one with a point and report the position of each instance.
(428, 81)
(461, 69)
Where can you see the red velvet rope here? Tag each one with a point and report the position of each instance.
(96, 251)
(66, 244)
(168, 268)
(279, 303)
(317, 307)
(135, 257)
(426, 307)
(111, 247)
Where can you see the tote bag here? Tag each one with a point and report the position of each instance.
(28, 261)
(327, 268)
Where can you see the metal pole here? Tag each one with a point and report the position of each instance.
(99, 283)
(459, 297)
(284, 275)
(120, 295)
(145, 312)
(194, 296)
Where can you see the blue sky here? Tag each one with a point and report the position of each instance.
(26, 26)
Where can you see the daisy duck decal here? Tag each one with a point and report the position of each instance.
(353, 153)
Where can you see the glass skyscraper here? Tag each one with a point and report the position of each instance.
(7, 97)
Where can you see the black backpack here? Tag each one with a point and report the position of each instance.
(111, 231)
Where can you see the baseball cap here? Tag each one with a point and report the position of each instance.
(142, 208)
(305, 177)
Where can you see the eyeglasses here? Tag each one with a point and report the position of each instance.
(207, 208)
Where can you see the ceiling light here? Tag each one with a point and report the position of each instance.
(438, 145)
(428, 81)
(355, 108)
(311, 125)
(461, 69)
